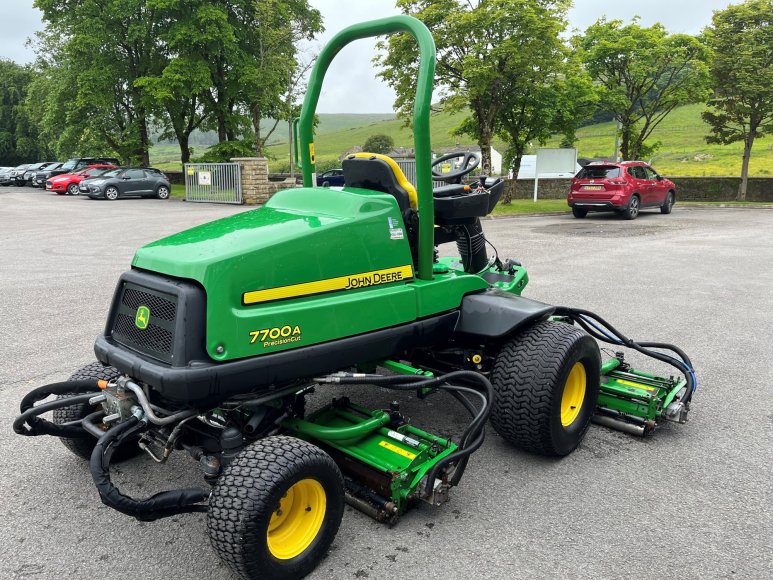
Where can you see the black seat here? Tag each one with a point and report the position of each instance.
(380, 173)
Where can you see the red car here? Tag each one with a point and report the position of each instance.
(68, 182)
(625, 187)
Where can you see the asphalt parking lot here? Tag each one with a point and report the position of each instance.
(692, 501)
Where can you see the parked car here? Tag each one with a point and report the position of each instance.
(78, 163)
(68, 183)
(29, 173)
(625, 187)
(5, 175)
(332, 178)
(17, 173)
(39, 177)
(125, 182)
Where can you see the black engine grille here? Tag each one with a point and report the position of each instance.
(157, 340)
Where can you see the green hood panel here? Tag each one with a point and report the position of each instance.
(300, 237)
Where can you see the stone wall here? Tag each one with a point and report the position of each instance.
(256, 187)
(759, 189)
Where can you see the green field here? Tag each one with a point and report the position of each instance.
(683, 152)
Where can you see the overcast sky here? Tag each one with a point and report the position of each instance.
(350, 85)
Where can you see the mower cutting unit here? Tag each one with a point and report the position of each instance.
(217, 335)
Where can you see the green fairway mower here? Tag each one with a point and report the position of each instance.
(217, 334)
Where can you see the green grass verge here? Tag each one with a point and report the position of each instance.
(738, 203)
(527, 206)
(178, 191)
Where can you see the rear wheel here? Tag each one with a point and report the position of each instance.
(162, 192)
(111, 193)
(83, 447)
(546, 385)
(579, 212)
(73, 189)
(632, 210)
(276, 509)
(668, 204)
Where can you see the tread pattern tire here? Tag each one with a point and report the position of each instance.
(529, 375)
(579, 212)
(83, 447)
(248, 492)
(668, 205)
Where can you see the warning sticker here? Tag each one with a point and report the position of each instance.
(637, 385)
(399, 450)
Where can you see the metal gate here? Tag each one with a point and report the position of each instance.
(213, 182)
(408, 166)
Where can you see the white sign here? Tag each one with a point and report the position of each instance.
(205, 178)
(553, 163)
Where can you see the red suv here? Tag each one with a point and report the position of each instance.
(624, 187)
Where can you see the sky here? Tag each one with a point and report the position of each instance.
(351, 85)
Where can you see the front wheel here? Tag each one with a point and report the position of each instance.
(579, 212)
(546, 385)
(276, 509)
(73, 189)
(162, 192)
(111, 193)
(668, 204)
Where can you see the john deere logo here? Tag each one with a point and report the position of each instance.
(143, 317)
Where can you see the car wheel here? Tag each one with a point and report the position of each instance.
(162, 192)
(111, 193)
(668, 204)
(579, 212)
(632, 210)
(73, 189)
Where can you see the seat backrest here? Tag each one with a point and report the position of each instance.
(380, 173)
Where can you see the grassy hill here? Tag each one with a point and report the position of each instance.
(683, 151)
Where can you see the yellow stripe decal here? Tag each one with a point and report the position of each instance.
(637, 385)
(376, 277)
(398, 450)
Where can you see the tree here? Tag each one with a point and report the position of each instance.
(741, 108)
(105, 47)
(483, 47)
(19, 137)
(643, 74)
(379, 144)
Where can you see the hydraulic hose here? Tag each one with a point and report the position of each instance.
(29, 423)
(585, 319)
(160, 505)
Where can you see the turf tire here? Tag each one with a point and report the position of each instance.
(247, 495)
(83, 447)
(529, 376)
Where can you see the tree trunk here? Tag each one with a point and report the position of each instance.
(256, 115)
(507, 198)
(221, 134)
(747, 153)
(485, 154)
(625, 145)
(185, 150)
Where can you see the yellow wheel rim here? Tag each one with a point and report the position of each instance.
(297, 520)
(574, 394)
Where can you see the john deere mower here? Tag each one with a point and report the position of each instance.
(216, 335)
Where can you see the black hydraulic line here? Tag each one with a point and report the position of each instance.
(160, 505)
(684, 365)
(89, 425)
(29, 423)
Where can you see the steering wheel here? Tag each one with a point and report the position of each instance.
(469, 162)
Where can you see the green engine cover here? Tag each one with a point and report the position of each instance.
(311, 265)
